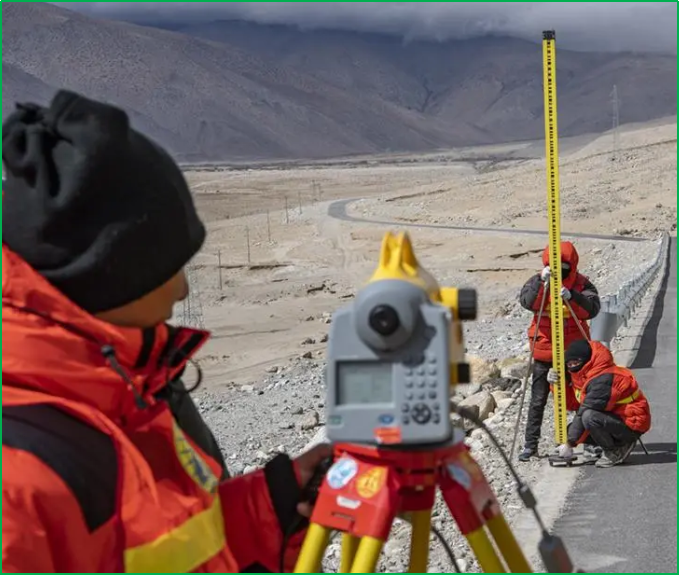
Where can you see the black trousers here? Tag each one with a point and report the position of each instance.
(607, 430)
(540, 390)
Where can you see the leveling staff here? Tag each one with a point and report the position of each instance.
(583, 297)
(107, 466)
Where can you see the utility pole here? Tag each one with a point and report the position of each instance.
(269, 228)
(219, 267)
(616, 120)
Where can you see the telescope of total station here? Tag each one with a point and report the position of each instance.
(395, 353)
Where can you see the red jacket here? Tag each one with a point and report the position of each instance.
(585, 303)
(605, 387)
(97, 474)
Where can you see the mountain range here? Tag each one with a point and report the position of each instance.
(231, 90)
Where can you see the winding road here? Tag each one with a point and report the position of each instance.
(338, 211)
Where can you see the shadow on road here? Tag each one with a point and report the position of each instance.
(649, 341)
(659, 453)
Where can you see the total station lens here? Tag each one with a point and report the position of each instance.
(384, 320)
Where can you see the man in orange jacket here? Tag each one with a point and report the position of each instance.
(611, 410)
(107, 465)
(584, 300)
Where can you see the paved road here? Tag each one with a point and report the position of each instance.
(338, 211)
(624, 520)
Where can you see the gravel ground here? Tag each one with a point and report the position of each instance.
(285, 411)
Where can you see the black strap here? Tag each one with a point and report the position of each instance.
(82, 456)
(284, 491)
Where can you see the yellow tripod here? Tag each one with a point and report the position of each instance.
(368, 487)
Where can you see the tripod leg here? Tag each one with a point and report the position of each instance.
(642, 444)
(507, 545)
(313, 548)
(350, 545)
(368, 555)
(483, 549)
(420, 542)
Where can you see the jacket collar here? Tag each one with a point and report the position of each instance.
(52, 346)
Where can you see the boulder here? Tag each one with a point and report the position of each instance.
(465, 390)
(505, 404)
(499, 395)
(483, 402)
(483, 370)
(514, 368)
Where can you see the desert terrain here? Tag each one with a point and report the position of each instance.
(286, 264)
(283, 272)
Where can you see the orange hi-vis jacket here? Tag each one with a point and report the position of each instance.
(585, 304)
(97, 474)
(605, 387)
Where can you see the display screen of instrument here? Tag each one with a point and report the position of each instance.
(364, 383)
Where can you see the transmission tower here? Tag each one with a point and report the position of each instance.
(616, 103)
(192, 309)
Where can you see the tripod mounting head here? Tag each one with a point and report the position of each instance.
(395, 353)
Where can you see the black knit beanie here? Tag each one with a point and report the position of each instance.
(99, 210)
(578, 351)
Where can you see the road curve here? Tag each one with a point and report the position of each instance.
(338, 211)
(625, 520)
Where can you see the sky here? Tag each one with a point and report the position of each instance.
(610, 26)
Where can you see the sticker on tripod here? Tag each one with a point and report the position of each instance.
(341, 473)
(470, 466)
(371, 482)
(348, 503)
(460, 475)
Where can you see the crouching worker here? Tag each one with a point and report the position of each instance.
(611, 410)
(104, 468)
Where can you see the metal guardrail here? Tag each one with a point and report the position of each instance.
(618, 308)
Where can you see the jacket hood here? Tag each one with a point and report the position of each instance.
(569, 256)
(54, 347)
(601, 361)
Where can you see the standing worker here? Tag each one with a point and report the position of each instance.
(107, 466)
(584, 300)
(611, 410)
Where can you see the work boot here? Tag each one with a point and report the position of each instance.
(591, 454)
(527, 454)
(609, 459)
(615, 457)
(627, 450)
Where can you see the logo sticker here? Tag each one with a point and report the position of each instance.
(192, 462)
(371, 482)
(341, 473)
(460, 475)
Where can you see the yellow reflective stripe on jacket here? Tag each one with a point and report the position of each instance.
(183, 549)
(634, 396)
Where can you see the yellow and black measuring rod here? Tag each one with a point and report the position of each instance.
(555, 241)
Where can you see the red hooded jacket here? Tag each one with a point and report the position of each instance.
(97, 474)
(605, 387)
(585, 303)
